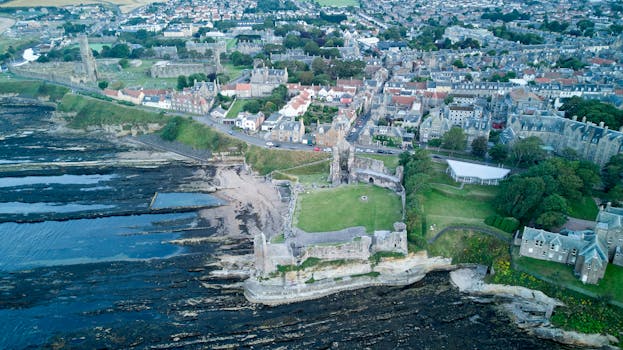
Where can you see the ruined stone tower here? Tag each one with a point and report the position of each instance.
(342, 162)
(88, 73)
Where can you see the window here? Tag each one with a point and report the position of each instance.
(574, 251)
(552, 246)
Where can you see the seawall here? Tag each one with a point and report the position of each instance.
(301, 286)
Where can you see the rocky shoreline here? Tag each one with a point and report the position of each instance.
(296, 286)
(530, 309)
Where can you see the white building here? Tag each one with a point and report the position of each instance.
(472, 173)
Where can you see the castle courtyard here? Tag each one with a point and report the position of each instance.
(333, 209)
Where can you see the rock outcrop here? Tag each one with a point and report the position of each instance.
(530, 309)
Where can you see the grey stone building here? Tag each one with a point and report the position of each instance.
(584, 250)
(588, 251)
(592, 142)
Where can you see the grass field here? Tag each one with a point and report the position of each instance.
(337, 3)
(93, 112)
(445, 205)
(232, 71)
(124, 5)
(342, 207)
(317, 173)
(236, 108)
(390, 161)
(609, 286)
(200, 136)
(33, 89)
(18, 43)
(586, 208)
(265, 161)
(137, 77)
(465, 246)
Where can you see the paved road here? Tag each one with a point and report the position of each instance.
(473, 228)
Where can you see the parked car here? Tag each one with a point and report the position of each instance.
(269, 144)
(316, 149)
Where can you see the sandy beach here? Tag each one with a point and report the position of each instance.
(254, 204)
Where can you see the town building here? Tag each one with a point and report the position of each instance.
(588, 251)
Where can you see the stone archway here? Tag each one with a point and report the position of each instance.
(371, 180)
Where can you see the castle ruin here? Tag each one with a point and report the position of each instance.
(347, 168)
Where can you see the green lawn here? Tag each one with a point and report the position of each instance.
(337, 3)
(342, 207)
(465, 246)
(444, 206)
(236, 108)
(137, 76)
(231, 43)
(586, 208)
(562, 274)
(93, 112)
(318, 168)
(232, 71)
(199, 136)
(265, 161)
(390, 161)
(32, 89)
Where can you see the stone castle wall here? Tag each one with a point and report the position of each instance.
(357, 249)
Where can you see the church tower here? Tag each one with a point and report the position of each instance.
(89, 66)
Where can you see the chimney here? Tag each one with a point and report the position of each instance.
(575, 118)
(601, 124)
(584, 119)
(621, 129)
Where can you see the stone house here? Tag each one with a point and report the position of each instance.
(288, 130)
(584, 250)
(250, 122)
(589, 251)
(593, 142)
(610, 228)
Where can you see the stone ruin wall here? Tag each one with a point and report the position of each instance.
(386, 241)
(357, 249)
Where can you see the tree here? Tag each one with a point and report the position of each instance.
(454, 139)
(252, 106)
(613, 171)
(527, 151)
(435, 142)
(171, 129)
(520, 196)
(551, 219)
(499, 152)
(124, 63)
(182, 82)
(479, 146)
(102, 84)
(556, 203)
(459, 64)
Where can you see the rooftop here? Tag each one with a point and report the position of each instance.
(464, 169)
